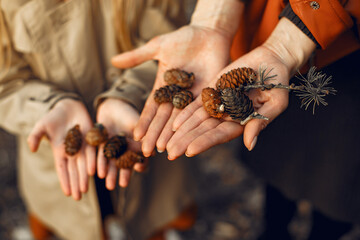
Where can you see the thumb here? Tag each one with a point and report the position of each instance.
(271, 105)
(255, 126)
(252, 131)
(35, 136)
(137, 56)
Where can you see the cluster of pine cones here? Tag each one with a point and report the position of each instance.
(115, 147)
(228, 97)
(175, 91)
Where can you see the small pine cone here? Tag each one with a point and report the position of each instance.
(179, 77)
(212, 102)
(237, 104)
(236, 77)
(128, 159)
(73, 140)
(166, 94)
(115, 146)
(96, 135)
(182, 99)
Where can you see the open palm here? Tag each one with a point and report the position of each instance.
(194, 49)
(196, 131)
(72, 171)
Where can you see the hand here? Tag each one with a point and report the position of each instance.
(203, 51)
(72, 170)
(198, 131)
(284, 52)
(117, 117)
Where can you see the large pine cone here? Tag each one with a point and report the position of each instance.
(73, 140)
(179, 77)
(128, 159)
(115, 146)
(235, 78)
(212, 102)
(96, 135)
(166, 93)
(237, 104)
(182, 99)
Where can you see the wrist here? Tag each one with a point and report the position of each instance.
(290, 44)
(218, 15)
(66, 102)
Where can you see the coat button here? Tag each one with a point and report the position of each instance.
(314, 5)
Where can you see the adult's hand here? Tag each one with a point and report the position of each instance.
(284, 52)
(72, 171)
(201, 47)
(117, 117)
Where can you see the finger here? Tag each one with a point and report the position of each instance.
(74, 178)
(62, 172)
(35, 136)
(223, 133)
(82, 170)
(101, 162)
(110, 181)
(193, 122)
(179, 147)
(155, 128)
(136, 56)
(146, 117)
(141, 167)
(124, 177)
(271, 110)
(186, 113)
(90, 153)
(150, 109)
(167, 132)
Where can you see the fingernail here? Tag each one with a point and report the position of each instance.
(136, 135)
(174, 129)
(159, 150)
(170, 158)
(188, 154)
(253, 143)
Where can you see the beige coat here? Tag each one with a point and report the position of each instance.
(63, 49)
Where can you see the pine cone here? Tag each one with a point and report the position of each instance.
(179, 77)
(237, 104)
(73, 140)
(166, 93)
(212, 102)
(182, 99)
(115, 146)
(235, 78)
(128, 159)
(96, 135)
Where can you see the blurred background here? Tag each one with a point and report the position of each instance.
(230, 199)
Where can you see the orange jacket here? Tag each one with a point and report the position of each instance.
(335, 24)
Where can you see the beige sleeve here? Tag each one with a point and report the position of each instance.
(25, 99)
(133, 86)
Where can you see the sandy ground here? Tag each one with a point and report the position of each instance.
(230, 202)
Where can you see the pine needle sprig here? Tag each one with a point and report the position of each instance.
(313, 88)
(264, 76)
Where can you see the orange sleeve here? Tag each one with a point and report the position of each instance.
(325, 19)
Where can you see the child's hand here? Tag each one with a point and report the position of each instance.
(117, 117)
(72, 171)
